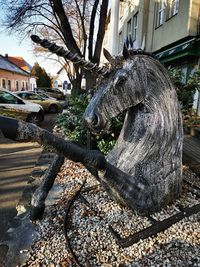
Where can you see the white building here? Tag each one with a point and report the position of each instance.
(62, 82)
(170, 29)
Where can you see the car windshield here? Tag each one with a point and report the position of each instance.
(44, 96)
(30, 96)
(8, 98)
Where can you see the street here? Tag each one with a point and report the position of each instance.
(17, 162)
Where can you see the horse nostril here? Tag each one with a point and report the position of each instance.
(95, 120)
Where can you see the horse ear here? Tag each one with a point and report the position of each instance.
(107, 55)
(125, 52)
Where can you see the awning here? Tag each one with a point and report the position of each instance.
(178, 49)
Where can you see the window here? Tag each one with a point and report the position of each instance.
(17, 85)
(29, 96)
(172, 8)
(9, 85)
(7, 98)
(23, 85)
(129, 33)
(120, 42)
(4, 83)
(34, 97)
(160, 12)
(135, 26)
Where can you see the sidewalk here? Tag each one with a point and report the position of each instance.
(17, 162)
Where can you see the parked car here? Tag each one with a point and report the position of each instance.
(62, 102)
(53, 92)
(12, 105)
(48, 104)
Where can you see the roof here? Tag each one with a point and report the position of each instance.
(21, 63)
(5, 64)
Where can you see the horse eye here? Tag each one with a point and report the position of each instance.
(121, 81)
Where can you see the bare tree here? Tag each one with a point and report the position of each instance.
(78, 24)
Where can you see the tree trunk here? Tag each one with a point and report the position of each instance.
(90, 81)
(76, 86)
(76, 83)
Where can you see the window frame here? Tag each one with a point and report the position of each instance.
(17, 85)
(135, 26)
(120, 41)
(23, 84)
(160, 13)
(172, 8)
(129, 27)
(9, 84)
(3, 83)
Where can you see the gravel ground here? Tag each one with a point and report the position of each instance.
(90, 237)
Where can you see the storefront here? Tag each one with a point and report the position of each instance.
(184, 55)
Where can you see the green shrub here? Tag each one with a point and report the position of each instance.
(185, 91)
(72, 125)
(71, 122)
(107, 141)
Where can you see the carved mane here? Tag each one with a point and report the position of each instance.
(149, 147)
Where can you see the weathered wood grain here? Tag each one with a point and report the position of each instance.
(149, 148)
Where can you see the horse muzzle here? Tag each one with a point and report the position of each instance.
(94, 122)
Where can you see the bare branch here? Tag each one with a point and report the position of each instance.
(82, 16)
(91, 34)
(101, 31)
(65, 26)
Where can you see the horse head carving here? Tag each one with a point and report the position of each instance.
(149, 147)
(148, 152)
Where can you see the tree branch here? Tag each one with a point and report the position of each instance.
(82, 16)
(101, 31)
(91, 33)
(65, 27)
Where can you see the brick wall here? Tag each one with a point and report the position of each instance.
(9, 81)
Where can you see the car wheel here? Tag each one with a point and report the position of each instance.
(33, 118)
(53, 108)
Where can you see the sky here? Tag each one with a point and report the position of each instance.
(13, 46)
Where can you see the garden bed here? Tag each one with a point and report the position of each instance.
(91, 239)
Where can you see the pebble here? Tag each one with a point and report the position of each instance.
(91, 240)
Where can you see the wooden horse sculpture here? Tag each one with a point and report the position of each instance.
(143, 170)
(149, 148)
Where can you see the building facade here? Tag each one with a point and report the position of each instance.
(12, 77)
(170, 29)
(22, 64)
(62, 81)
